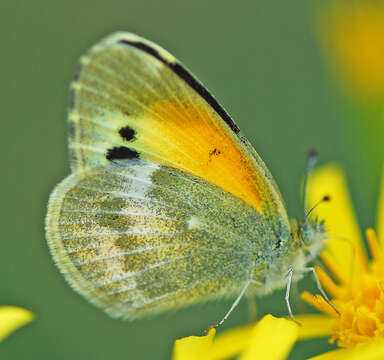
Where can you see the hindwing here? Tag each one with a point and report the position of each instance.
(146, 238)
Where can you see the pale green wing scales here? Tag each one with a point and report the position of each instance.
(145, 238)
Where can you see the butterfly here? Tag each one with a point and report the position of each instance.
(167, 203)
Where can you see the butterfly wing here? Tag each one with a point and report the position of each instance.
(145, 238)
(132, 99)
(168, 203)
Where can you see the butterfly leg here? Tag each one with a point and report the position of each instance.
(287, 292)
(236, 302)
(318, 284)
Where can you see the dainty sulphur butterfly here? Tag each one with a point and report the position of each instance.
(167, 204)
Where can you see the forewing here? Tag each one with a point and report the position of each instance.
(146, 238)
(132, 99)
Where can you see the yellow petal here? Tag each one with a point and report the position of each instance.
(339, 218)
(313, 326)
(372, 351)
(319, 303)
(12, 318)
(194, 347)
(271, 339)
(380, 214)
(231, 342)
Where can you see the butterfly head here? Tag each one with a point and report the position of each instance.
(311, 232)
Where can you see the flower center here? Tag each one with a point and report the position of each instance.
(361, 316)
(359, 302)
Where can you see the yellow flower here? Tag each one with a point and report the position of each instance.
(357, 291)
(12, 318)
(352, 33)
(251, 342)
(356, 283)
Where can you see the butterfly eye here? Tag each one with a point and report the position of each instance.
(307, 233)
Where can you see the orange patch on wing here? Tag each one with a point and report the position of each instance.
(188, 137)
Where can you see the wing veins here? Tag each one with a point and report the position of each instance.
(181, 290)
(113, 233)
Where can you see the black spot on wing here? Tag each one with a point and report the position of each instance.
(71, 129)
(184, 74)
(127, 133)
(71, 99)
(214, 152)
(72, 155)
(77, 73)
(121, 152)
(72, 92)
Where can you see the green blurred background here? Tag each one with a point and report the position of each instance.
(263, 62)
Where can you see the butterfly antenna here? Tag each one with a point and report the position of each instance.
(325, 198)
(312, 157)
